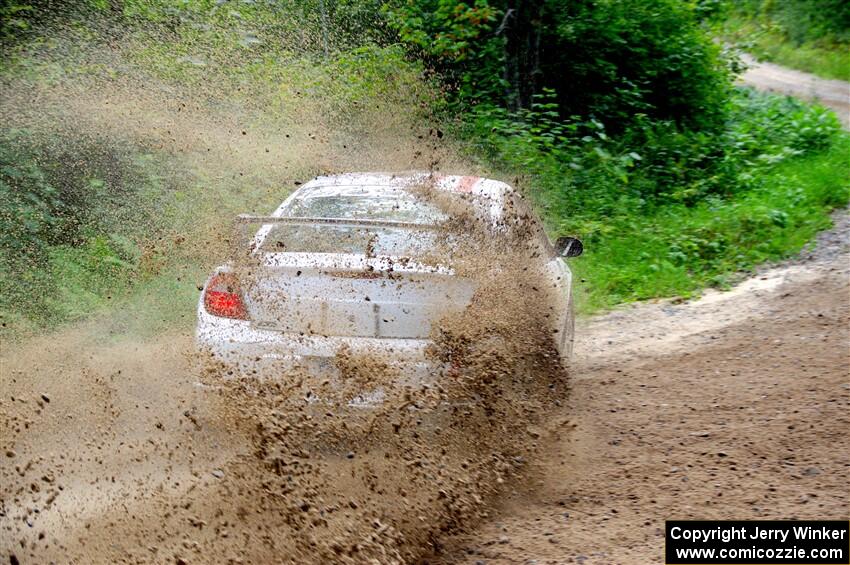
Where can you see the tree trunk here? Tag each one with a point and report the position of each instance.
(522, 28)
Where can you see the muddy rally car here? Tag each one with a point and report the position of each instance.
(347, 263)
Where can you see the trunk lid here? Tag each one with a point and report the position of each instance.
(352, 295)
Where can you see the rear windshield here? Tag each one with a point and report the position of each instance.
(401, 207)
(399, 242)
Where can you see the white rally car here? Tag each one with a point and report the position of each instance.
(339, 265)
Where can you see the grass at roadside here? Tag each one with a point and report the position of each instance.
(681, 250)
(118, 189)
(767, 42)
(197, 126)
(666, 212)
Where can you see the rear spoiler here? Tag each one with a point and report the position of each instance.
(353, 223)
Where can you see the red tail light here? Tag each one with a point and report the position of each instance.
(223, 297)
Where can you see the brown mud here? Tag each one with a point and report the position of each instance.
(122, 449)
(147, 453)
(733, 406)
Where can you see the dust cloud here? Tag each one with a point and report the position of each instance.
(120, 447)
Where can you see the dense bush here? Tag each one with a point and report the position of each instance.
(459, 40)
(615, 59)
(581, 171)
(71, 212)
(800, 20)
(610, 59)
(810, 35)
(664, 209)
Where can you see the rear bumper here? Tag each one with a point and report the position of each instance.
(249, 351)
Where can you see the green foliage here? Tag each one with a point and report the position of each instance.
(71, 214)
(652, 163)
(14, 18)
(610, 59)
(457, 38)
(810, 35)
(31, 207)
(664, 210)
(22, 18)
(85, 275)
(357, 76)
(312, 25)
(450, 31)
(619, 58)
(621, 123)
(677, 250)
(800, 20)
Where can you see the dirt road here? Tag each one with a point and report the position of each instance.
(734, 406)
(833, 94)
(731, 406)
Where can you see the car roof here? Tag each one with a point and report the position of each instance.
(378, 184)
(386, 184)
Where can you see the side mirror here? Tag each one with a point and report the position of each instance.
(568, 247)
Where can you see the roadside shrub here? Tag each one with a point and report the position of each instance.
(810, 35)
(72, 213)
(610, 60)
(458, 39)
(620, 58)
(664, 209)
(801, 20)
(577, 166)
